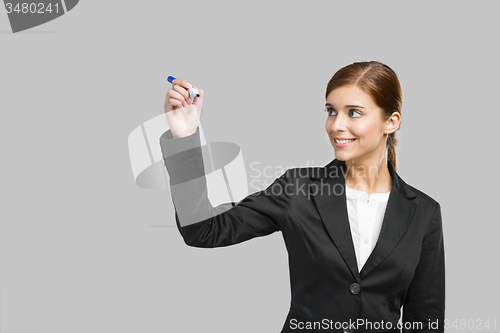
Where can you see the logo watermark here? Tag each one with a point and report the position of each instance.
(24, 15)
(264, 176)
(327, 324)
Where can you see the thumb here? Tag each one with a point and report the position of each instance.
(198, 101)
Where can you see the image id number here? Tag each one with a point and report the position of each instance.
(33, 8)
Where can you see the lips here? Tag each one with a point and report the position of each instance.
(343, 142)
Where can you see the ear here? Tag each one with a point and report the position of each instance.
(392, 124)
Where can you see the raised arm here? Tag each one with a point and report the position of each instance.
(201, 224)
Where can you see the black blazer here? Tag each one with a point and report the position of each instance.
(308, 205)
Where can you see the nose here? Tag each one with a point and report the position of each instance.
(339, 123)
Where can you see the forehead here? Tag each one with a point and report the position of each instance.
(347, 95)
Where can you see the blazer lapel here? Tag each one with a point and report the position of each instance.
(397, 218)
(330, 199)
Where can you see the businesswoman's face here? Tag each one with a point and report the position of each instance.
(353, 115)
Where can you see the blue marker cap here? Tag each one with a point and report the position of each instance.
(170, 79)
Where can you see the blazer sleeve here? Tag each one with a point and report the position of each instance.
(201, 224)
(425, 300)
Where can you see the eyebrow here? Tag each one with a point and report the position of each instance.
(348, 106)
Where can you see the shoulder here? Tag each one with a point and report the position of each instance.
(297, 179)
(423, 199)
(304, 173)
(422, 195)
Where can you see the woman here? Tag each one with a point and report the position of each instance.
(362, 243)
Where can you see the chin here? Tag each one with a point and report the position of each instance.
(342, 156)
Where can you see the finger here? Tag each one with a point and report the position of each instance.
(182, 83)
(181, 91)
(175, 103)
(199, 91)
(174, 95)
(198, 100)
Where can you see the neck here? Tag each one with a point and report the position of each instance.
(368, 175)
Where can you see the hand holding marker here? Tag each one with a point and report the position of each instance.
(183, 107)
(192, 92)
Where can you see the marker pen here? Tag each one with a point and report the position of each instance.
(192, 92)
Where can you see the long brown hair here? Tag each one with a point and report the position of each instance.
(382, 84)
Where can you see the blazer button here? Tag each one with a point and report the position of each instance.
(354, 288)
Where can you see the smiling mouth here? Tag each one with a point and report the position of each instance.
(343, 141)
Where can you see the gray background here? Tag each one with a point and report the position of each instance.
(83, 249)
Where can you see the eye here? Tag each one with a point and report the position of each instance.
(330, 111)
(354, 113)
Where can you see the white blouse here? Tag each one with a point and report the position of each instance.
(365, 218)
